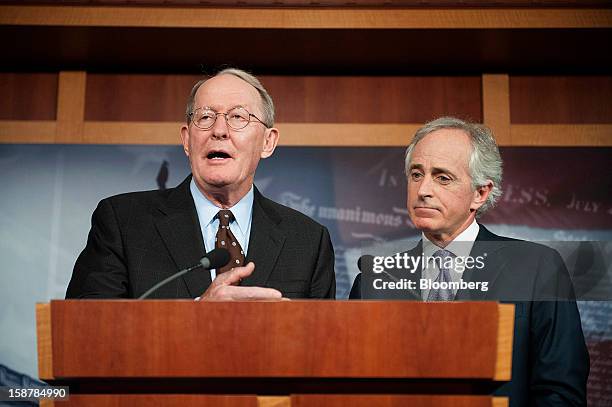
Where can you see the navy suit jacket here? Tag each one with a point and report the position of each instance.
(550, 361)
(140, 238)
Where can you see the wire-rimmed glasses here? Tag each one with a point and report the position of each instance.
(237, 118)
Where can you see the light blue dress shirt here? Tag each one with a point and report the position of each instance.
(209, 224)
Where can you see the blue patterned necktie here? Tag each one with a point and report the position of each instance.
(442, 294)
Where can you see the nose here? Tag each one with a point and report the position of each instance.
(425, 187)
(219, 129)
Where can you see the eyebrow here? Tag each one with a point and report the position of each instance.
(417, 166)
(209, 107)
(434, 170)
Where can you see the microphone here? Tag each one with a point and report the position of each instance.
(214, 259)
(367, 260)
(366, 266)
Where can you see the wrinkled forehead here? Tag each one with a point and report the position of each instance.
(443, 148)
(226, 91)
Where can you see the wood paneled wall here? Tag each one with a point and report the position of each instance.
(311, 110)
(133, 97)
(560, 99)
(298, 99)
(483, 45)
(350, 99)
(28, 96)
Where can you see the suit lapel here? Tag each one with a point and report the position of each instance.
(485, 246)
(179, 228)
(265, 242)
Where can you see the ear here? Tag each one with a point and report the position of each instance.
(481, 194)
(185, 138)
(270, 141)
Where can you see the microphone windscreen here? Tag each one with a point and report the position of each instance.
(365, 262)
(217, 258)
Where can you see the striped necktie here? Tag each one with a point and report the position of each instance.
(442, 294)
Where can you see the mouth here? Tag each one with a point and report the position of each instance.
(425, 208)
(218, 155)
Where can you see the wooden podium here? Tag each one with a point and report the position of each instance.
(284, 353)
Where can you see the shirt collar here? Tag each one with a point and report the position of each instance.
(207, 210)
(243, 209)
(461, 246)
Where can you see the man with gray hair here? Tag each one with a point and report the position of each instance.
(454, 174)
(139, 239)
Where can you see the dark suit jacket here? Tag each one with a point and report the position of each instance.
(138, 239)
(550, 362)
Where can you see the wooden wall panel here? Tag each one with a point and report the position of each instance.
(28, 96)
(560, 99)
(27, 131)
(375, 99)
(561, 135)
(298, 99)
(496, 105)
(70, 106)
(137, 97)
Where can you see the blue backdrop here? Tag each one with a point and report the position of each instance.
(50, 191)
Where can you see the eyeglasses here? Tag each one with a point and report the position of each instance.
(237, 118)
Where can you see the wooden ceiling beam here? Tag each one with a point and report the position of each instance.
(305, 18)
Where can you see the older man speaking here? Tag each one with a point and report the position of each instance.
(139, 239)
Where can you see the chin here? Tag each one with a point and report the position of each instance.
(213, 181)
(425, 224)
(217, 178)
(217, 183)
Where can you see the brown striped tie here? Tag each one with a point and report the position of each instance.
(227, 240)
